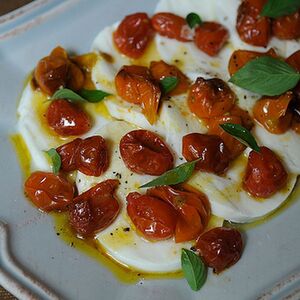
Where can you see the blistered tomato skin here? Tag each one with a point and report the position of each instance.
(220, 248)
(172, 26)
(48, 191)
(95, 209)
(210, 37)
(192, 207)
(215, 156)
(67, 154)
(92, 156)
(153, 218)
(67, 119)
(133, 35)
(252, 28)
(265, 174)
(287, 27)
(210, 98)
(144, 152)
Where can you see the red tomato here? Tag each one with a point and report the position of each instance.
(133, 35)
(210, 98)
(136, 85)
(211, 149)
(265, 174)
(76, 77)
(247, 121)
(210, 37)
(294, 60)
(48, 191)
(252, 28)
(92, 156)
(220, 248)
(153, 218)
(95, 209)
(159, 70)
(172, 26)
(193, 211)
(273, 114)
(67, 119)
(67, 153)
(287, 27)
(144, 152)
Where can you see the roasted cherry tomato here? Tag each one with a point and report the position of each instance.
(160, 70)
(193, 211)
(215, 156)
(294, 60)
(66, 118)
(247, 121)
(210, 37)
(252, 28)
(153, 218)
(273, 113)
(133, 35)
(92, 156)
(144, 152)
(210, 98)
(76, 77)
(95, 209)
(233, 145)
(172, 26)
(296, 123)
(48, 191)
(220, 248)
(67, 153)
(239, 58)
(265, 174)
(136, 85)
(287, 27)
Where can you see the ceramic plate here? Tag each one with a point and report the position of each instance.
(45, 267)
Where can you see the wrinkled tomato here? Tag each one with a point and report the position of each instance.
(136, 85)
(210, 37)
(144, 152)
(67, 153)
(265, 174)
(172, 26)
(233, 145)
(48, 191)
(210, 98)
(133, 35)
(153, 218)
(239, 58)
(294, 60)
(159, 70)
(76, 78)
(92, 156)
(215, 156)
(67, 119)
(246, 119)
(95, 209)
(287, 27)
(193, 211)
(220, 248)
(273, 113)
(252, 28)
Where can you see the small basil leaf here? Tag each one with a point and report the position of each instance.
(266, 76)
(168, 84)
(193, 19)
(241, 134)
(177, 175)
(66, 94)
(55, 159)
(93, 96)
(278, 8)
(194, 269)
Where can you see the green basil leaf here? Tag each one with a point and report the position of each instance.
(193, 19)
(55, 159)
(266, 76)
(92, 96)
(168, 84)
(278, 8)
(177, 175)
(241, 134)
(194, 270)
